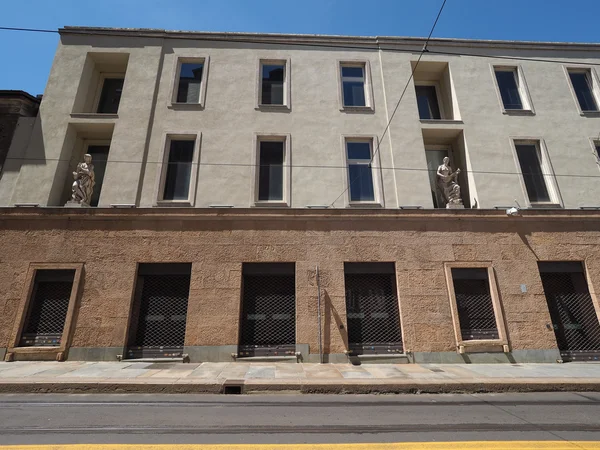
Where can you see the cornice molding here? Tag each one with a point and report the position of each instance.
(368, 42)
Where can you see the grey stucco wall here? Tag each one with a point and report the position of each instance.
(229, 121)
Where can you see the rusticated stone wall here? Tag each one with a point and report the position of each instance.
(111, 242)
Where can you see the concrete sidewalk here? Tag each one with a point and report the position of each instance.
(234, 377)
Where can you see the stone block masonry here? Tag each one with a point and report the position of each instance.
(111, 243)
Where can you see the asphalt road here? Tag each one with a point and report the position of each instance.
(262, 419)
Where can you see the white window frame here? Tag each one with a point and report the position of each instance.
(368, 85)
(287, 169)
(177, 73)
(595, 88)
(375, 171)
(440, 100)
(103, 76)
(287, 91)
(545, 167)
(162, 168)
(521, 86)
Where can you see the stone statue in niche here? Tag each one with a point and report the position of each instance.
(83, 186)
(448, 186)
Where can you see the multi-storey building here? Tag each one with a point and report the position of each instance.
(269, 196)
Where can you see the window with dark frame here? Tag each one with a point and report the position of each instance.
(110, 97)
(99, 160)
(353, 85)
(508, 84)
(270, 174)
(179, 170)
(531, 167)
(47, 309)
(427, 102)
(372, 308)
(474, 303)
(582, 83)
(190, 82)
(360, 174)
(272, 84)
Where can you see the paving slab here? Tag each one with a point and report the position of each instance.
(105, 377)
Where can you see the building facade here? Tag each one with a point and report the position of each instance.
(268, 196)
(18, 110)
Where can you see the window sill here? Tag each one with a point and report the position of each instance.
(589, 113)
(94, 116)
(186, 106)
(273, 108)
(518, 112)
(483, 345)
(172, 203)
(442, 121)
(545, 206)
(357, 109)
(273, 204)
(365, 205)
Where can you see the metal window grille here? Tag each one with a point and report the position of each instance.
(574, 317)
(161, 311)
(372, 309)
(474, 303)
(48, 308)
(268, 322)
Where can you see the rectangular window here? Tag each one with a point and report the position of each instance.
(353, 85)
(435, 158)
(110, 97)
(583, 86)
(190, 82)
(510, 87)
(272, 88)
(427, 102)
(99, 159)
(270, 174)
(268, 310)
(372, 308)
(47, 311)
(360, 175)
(474, 304)
(179, 170)
(530, 160)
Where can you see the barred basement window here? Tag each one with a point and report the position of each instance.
(474, 303)
(268, 319)
(159, 316)
(476, 309)
(47, 312)
(372, 308)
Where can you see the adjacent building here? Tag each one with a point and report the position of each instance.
(269, 196)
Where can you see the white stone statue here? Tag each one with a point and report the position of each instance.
(83, 186)
(448, 186)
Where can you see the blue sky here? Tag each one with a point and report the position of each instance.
(30, 54)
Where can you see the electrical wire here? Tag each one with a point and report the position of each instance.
(387, 127)
(315, 166)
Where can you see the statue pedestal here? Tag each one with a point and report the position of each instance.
(455, 206)
(72, 204)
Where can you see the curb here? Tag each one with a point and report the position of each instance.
(301, 388)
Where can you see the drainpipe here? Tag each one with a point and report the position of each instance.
(319, 315)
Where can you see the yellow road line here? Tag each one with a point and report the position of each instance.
(470, 445)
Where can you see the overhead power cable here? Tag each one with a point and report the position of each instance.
(387, 127)
(314, 166)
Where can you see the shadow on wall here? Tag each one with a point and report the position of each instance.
(329, 314)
